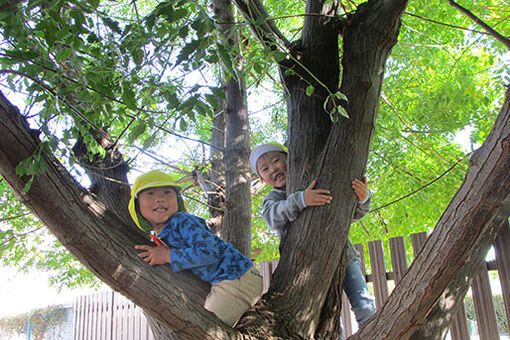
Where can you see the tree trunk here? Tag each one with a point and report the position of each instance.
(306, 285)
(108, 175)
(217, 172)
(237, 219)
(212, 180)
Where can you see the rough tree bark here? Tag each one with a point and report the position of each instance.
(237, 217)
(212, 180)
(104, 244)
(441, 316)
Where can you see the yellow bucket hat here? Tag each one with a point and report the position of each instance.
(151, 179)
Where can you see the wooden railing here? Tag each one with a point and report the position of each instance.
(110, 316)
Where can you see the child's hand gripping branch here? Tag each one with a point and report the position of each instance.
(316, 197)
(360, 189)
(154, 255)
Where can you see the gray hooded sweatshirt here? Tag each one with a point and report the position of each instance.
(279, 209)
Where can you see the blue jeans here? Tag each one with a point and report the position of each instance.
(355, 287)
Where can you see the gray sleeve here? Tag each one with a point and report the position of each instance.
(362, 208)
(278, 210)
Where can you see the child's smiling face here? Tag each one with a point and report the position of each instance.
(157, 205)
(272, 169)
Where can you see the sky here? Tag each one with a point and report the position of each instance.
(21, 293)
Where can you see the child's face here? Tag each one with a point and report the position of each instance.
(272, 168)
(157, 205)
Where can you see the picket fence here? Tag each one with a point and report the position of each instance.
(110, 316)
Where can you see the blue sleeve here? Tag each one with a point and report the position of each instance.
(201, 246)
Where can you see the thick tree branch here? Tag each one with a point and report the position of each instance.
(442, 315)
(505, 41)
(459, 239)
(101, 241)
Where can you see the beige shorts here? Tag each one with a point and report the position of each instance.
(230, 299)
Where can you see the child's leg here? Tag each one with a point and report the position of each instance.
(356, 289)
(230, 299)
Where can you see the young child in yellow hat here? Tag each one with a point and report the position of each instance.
(188, 244)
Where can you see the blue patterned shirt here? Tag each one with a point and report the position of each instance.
(194, 247)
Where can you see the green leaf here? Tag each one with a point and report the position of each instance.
(50, 32)
(137, 130)
(183, 32)
(166, 10)
(212, 100)
(138, 56)
(342, 111)
(62, 55)
(187, 51)
(325, 104)
(339, 95)
(334, 118)
(180, 13)
(28, 185)
(183, 124)
(128, 96)
(309, 91)
(150, 20)
(279, 56)
(226, 59)
(112, 25)
(149, 141)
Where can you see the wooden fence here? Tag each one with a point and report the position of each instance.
(110, 316)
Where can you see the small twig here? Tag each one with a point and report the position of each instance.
(423, 187)
(204, 204)
(20, 235)
(505, 41)
(444, 24)
(13, 217)
(409, 127)
(365, 228)
(160, 160)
